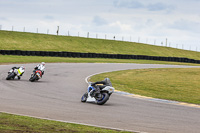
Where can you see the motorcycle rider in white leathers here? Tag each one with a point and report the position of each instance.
(40, 67)
(19, 71)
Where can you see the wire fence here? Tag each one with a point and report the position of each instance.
(127, 38)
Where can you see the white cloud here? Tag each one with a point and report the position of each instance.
(159, 7)
(123, 27)
(138, 4)
(155, 19)
(3, 19)
(99, 21)
(134, 4)
(48, 17)
(186, 25)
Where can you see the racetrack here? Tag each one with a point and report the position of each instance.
(57, 96)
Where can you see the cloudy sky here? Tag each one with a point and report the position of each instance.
(147, 21)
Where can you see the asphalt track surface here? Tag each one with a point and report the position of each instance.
(57, 96)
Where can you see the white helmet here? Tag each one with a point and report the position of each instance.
(43, 63)
(23, 68)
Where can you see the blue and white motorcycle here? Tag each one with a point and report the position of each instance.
(100, 97)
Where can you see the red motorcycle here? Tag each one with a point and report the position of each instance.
(36, 75)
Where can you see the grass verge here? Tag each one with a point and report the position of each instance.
(13, 123)
(179, 84)
(11, 59)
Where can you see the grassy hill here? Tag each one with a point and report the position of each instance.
(42, 42)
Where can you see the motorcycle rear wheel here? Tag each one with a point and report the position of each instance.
(103, 99)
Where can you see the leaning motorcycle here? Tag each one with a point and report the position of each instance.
(36, 75)
(99, 98)
(11, 74)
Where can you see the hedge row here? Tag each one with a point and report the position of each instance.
(96, 55)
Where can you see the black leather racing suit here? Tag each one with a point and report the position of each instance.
(99, 87)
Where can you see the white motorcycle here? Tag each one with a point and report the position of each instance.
(100, 97)
(15, 71)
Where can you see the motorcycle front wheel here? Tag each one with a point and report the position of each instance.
(104, 98)
(11, 75)
(84, 97)
(32, 79)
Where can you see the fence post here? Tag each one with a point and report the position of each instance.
(88, 35)
(58, 30)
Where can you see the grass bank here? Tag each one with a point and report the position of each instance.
(42, 42)
(179, 84)
(13, 123)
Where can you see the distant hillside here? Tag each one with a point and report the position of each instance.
(40, 42)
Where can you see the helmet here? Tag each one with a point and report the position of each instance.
(43, 63)
(108, 82)
(23, 68)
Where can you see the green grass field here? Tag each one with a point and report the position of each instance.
(42, 42)
(179, 84)
(20, 124)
